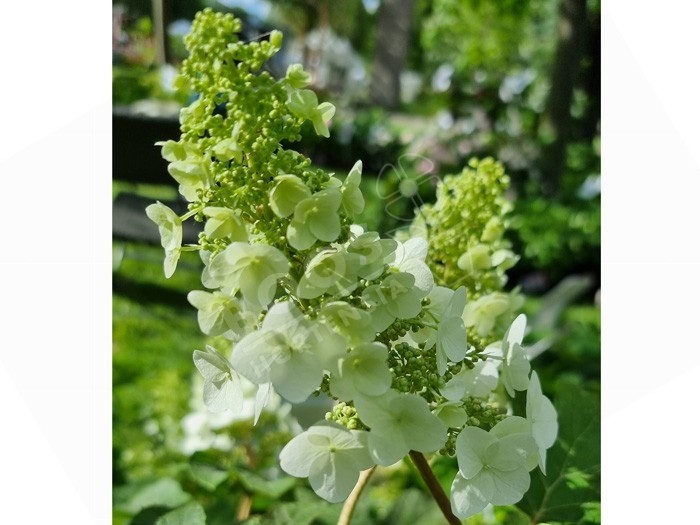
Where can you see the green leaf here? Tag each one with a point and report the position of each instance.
(270, 488)
(570, 492)
(164, 492)
(190, 514)
(413, 507)
(298, 513)
(206, 470)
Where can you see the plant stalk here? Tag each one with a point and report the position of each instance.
(354, 497)
(434, 487)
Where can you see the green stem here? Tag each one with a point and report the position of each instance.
(354, 497)
(434, 486)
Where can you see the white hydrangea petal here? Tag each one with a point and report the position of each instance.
(295, 377)
(352, 323)
(543, 416)
(299, 235)
(387, 449)
(360, 455)
(282, 317)
(289, 191)
(479, 381)
(319, 119)
(516, 370)
(373, 376)
(455, 388)
(451, 414)
(452, 337)
(355, 174)
(336, 479)
(169, 225)
(471, 446)
(298, 456)
(484, 311)
(254, 355)
(257, 288)
(415, 248)
(440, 359)
(210, 318)
(403, 302)
(485, 379)
(439, 299)
(517, 425)
(363, 371)
(227, 395)
(424, 279)
(222, 386)
(511, 452)
(541, 411)
(262, 397)
(457, 303)
(516, 332)
(381, 318)
(212, 365)
(469, 497)
(327, 227)
(511, 425)
(509, 487)
(422, 430)
(224, 222)
(326, 346)
(170, 262)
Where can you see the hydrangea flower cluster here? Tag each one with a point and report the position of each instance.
(312, 304)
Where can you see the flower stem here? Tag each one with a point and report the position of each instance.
(353, 498)
(434, 487)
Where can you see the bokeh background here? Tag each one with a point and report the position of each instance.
(420, 87)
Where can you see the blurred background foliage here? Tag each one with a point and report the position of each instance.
(420, 86)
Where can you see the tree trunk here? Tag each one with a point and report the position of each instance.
(391, 49)
(564, 75)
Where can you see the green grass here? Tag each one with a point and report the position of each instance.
(154, 331)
